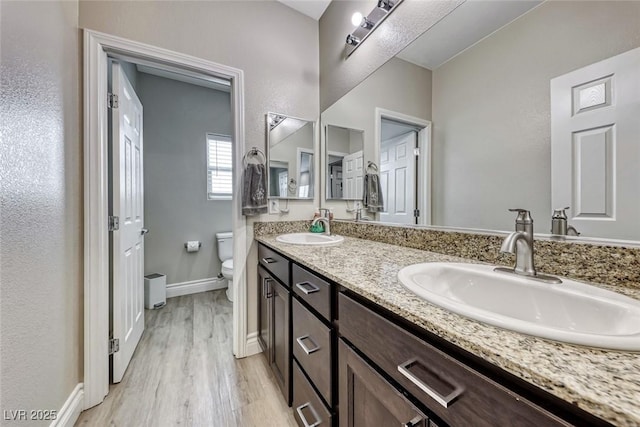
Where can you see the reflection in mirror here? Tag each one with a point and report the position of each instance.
(291, 145)
(345, 164)
(497, 142)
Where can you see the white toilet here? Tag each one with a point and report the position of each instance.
(225, 253)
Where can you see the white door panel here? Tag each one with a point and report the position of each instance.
(352, 175)
(128, 244)
(595, 146)
(398, 179)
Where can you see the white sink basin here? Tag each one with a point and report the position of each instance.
(571, 312)
(313, 239)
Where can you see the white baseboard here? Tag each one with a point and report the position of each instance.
(195, 286)
(70, 411)
(253, 346)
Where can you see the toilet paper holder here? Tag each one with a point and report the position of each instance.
(186, 245)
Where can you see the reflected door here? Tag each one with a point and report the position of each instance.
(398, 178)
(595, 146)
(352, 175)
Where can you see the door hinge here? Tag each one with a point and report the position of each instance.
(416, 213)
(114, 223)
(114, 346)
(112, 100)
(416, 151)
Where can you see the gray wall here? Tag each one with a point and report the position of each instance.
(405, 24)
(40, 206)
(275, 46)
(491, 109)
(398, 86)
(177, 117)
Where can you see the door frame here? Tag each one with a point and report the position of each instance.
(424, 163)
(97, 46)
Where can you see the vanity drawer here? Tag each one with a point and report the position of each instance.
(312, 348)
(275, 263)
(456, 393)
(313, 290)
(308, 409)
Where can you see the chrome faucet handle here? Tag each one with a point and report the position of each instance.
(524, 216)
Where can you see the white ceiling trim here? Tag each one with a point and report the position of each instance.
(311, 8)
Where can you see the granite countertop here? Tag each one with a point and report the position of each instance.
(604, 383)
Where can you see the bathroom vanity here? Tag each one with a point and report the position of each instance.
(366, 351)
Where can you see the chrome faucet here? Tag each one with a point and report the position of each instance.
(325, 222)
(360, 217)
(520, 243)
(559, 225)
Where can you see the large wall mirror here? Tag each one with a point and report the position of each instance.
(525, 105)
(291, 157)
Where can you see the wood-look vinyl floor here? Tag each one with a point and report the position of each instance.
(183, 373)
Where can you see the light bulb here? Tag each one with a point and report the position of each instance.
(356, 19)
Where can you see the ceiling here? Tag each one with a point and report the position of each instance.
(466, 25)
(312, 8)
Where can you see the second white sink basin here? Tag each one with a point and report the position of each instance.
(571, 312)
(313, 239)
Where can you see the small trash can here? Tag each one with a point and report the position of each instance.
(155, 290)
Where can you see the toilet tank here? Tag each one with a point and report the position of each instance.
(225, 245)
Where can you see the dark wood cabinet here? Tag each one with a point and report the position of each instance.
(274, 328)
(264, 309)
(367, 399)
(280, 349)
(345, 361)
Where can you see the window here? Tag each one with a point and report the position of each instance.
(219, 167)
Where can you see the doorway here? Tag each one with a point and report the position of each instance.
(97, 48)
(172, 169)
(403, 153)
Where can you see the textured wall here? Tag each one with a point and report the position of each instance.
(397, 86)
(405, 24)
(177, 117)
(276, 47)
(40, 207)
(491, 110)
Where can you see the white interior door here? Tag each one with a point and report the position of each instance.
(128, 242)
(353, 175)
(398, 178)
(595, 146)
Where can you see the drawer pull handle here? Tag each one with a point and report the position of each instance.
(269, 260)
(307, 287)
(304, 419)
(306, 349)
(267, 287)
(414, 422)
(443, 400)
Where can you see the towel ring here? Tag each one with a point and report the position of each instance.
(254, 153)
(372, 167)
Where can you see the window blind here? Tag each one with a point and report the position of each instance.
(219, 167)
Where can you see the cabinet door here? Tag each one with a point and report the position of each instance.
(281, 351)
(366, 399)
(265, 284)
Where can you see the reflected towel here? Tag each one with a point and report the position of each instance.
(254, 190)
(372, 199)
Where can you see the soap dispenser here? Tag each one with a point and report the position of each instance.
(559, 222)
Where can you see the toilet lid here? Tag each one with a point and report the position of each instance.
(228, 264)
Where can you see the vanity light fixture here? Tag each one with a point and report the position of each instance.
(274, 120)
(385, 4)
(352, 40)
(365, 25)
